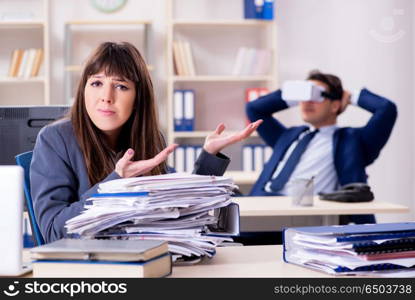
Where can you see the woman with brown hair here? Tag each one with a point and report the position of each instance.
(111, 132)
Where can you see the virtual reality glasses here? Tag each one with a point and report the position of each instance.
(302, 90)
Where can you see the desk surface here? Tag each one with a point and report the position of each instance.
(247, 261)
(238, 261)
(281, 206)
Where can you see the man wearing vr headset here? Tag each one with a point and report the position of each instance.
(334, 155)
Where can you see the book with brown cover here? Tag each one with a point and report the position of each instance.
(178, 59)
(37, 63)
(15, 63)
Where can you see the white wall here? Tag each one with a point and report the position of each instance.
(346, 38)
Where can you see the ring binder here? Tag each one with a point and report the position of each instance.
(352, 249)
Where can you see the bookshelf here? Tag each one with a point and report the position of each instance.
(93, 32)
(28, 29)
(218, 93)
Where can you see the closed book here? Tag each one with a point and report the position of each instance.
(184, 58)
(178, 59)
(102, 250)
(37, 63)
(23, 63)
(13, 62)
(18, 62)
(157, 267)
(30, 63)
(190, 59)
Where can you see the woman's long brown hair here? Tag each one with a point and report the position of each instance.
(141, 132)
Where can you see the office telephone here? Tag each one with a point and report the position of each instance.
(352, 192)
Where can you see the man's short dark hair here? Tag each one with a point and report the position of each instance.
(333, 82)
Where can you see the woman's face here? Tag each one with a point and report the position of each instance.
(109, 101)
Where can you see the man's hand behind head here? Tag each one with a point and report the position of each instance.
(346, 100)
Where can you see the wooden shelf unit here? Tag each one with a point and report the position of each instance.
(185, 82)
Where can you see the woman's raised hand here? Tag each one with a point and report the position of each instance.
(216, 141)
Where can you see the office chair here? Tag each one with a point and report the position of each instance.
(24, 160)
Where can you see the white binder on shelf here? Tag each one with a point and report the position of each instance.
(267, 154)
(190, 158)
(247, 158)
(189, 110)
(198, 151)
(179, 159)
(178, 110)
(258, 157)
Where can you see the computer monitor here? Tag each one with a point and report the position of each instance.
(19, 126)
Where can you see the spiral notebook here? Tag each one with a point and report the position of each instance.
(352, 249)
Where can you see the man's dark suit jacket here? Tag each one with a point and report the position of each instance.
(353, 148)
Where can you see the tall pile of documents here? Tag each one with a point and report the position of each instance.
(372, 249)
(193, 213)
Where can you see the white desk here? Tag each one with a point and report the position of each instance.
(329, 210)
(281, 206)
(248, 261)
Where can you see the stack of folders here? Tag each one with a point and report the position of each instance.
(254, 156)
(101, 258)
(184, 110)
(185, 157)
(368, 250)
(193, 213)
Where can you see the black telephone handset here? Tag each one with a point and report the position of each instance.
(352, 192)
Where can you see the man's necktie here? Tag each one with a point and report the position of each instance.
(285, 174)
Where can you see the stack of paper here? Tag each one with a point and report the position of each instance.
(179, 208)
(353, 249)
